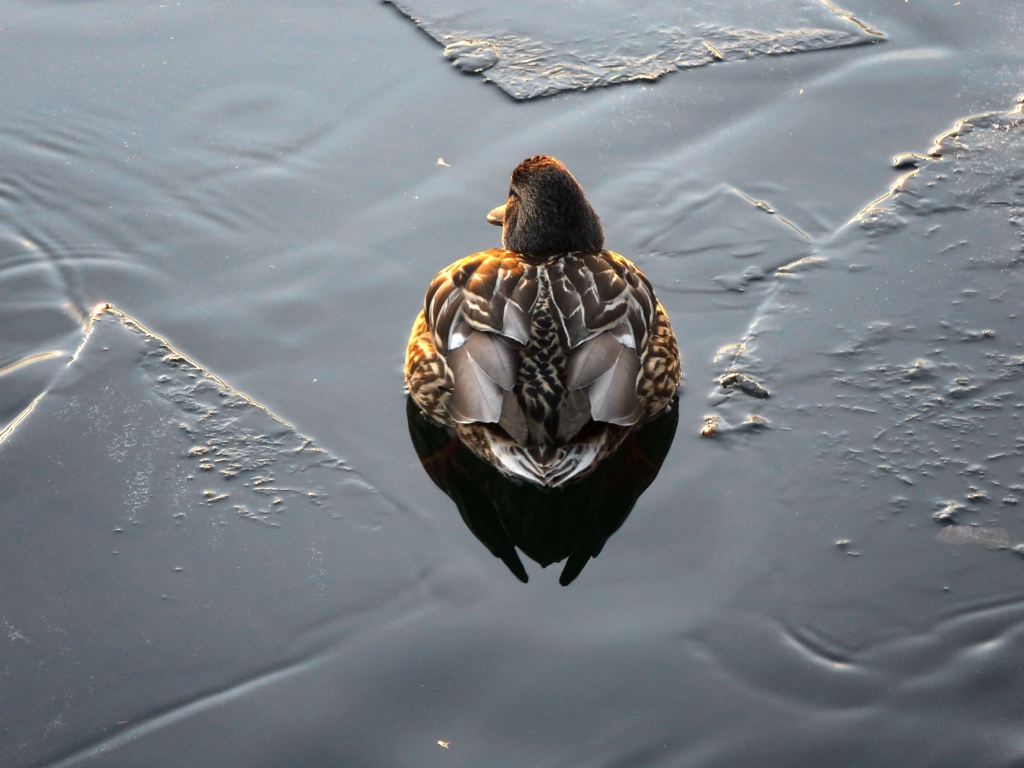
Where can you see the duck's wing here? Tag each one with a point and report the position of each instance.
(492, 291)
(601, 292)
(478, 310)
(607, 309)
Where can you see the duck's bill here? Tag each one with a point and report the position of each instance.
(497, 216)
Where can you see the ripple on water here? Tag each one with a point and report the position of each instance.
(963, 668)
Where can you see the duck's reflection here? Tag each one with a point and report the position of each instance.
(548, 525)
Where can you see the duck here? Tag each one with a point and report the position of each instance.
(543, 355)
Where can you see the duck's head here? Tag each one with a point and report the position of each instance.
(547, 212)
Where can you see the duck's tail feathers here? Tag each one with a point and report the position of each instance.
(550, 466)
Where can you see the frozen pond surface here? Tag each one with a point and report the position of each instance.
(221, 546)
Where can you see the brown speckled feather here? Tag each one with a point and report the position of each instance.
(426, 374)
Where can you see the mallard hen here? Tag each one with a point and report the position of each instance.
(543, 355)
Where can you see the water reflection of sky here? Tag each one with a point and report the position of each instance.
(263, 192)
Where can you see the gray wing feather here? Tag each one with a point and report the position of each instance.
(476, 396)
(515, 322)
(613, 397)
(494, 356)
(591, 359)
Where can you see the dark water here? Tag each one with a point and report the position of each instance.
(221, 547)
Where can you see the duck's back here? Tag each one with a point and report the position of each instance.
(542, 347)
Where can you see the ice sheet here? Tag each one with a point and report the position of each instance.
(535, 48)
(923, 393)
(177, 547)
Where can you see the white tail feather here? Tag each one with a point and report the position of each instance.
(562, 464)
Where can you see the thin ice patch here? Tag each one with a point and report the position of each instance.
(234, 453)
(201, 585)
(233, 438)
(903, 359)
(242, 455)
(535, 48)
